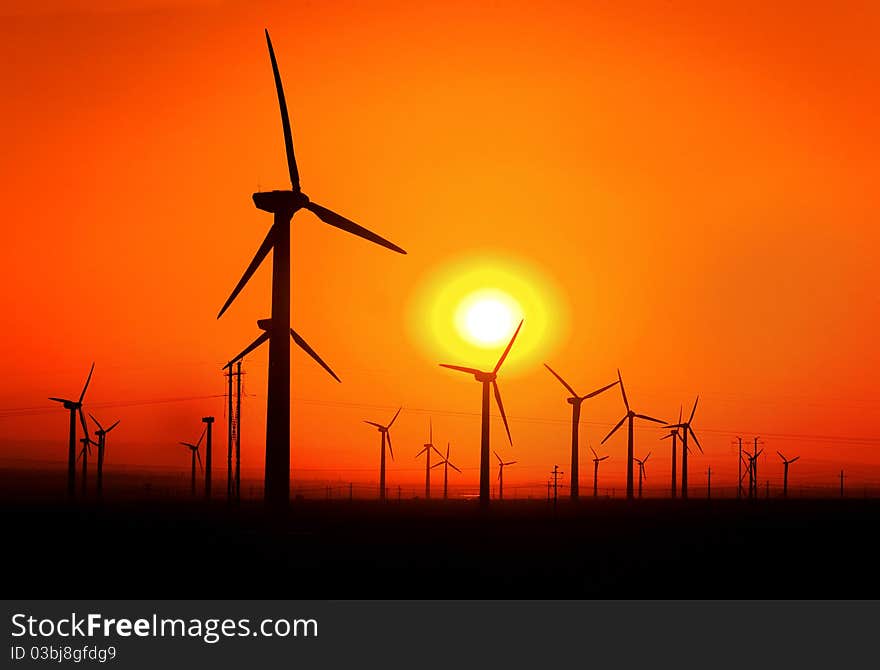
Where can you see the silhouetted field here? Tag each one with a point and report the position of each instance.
(421, 549)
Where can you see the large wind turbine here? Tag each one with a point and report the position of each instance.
(575, 401)
(428, 447)
(283, 204)
(685, 430)
(446, 463)
(642, 474)
(630, 416)
(386, 437)
(74, 407)
(488, 379)
(596, 461)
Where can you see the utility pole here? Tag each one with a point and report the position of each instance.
(238, 430)
(209, 420)
(557, 473)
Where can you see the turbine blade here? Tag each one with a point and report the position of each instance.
(594, 452)
(422, 452)
(497, 456)
(622, 389)
(499, 473)
(188, 444)
(98, 423)
(395, 416)
(201, 437)
(614, 430)
(373, 423)
(302, 344)
(455, 468)
(694, 410)
(604, 457)
(794, 459)
(285, 119)
(199, 457)
(645, 459)
(390, 449)
(253, 345)
(447, 451)
(510, 463)
(501, 406)
(437, 450)
(601, 390)
(334, 219)
(82, 422)
(261, 254)
(88, 379)
(112, 426)
(62, 400)
(460, 368)
(437, 465)
(780, 455)
(508, 347)
(650, 418)
(694, 435)
(561, 380)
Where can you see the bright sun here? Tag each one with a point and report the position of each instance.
(487, 318)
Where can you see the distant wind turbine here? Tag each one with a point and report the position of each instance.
(785, 463)
(194, 450)
(101, 434)
(74, 407)
(630, 416)
(428, 447)
(642, 474)
(685, 430)
(596, 461)
(84, 454)
(283, 204)
(386, 437)
(446, 463)
(575, 401)
(488, 379)
(501, 466)
(674, 435)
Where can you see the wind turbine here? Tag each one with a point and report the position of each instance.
(101, 434)
(785, 464)
(674, 435)
(74, 406)
(501, 465)
(194, 450)
(386, 436)
(283, 204)
(629, 417)
(685, 429)
(642, 474)
(488, 379)
(753, 471)
(575, 401)
(446, 463)
(596, 461)
(427, 451)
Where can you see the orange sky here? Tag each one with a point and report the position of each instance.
(693, 188)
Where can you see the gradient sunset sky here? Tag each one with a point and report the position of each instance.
(683, 190)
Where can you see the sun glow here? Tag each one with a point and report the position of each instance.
(465, 311)
(487, 317)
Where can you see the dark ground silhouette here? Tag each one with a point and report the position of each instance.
(433, 549)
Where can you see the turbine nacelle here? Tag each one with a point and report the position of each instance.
(280, 202)
(490, 376)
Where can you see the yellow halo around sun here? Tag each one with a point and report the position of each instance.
(464, 312)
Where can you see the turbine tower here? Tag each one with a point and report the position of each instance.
(596, 461)
(488, 379)
(575, 401)
(685, 430)
(785, 464)
(283, 204)
(386, 437)
(194, 450)
(629, 417)
(101, 434)
(428, 447)
(446, 463)
(84, 454)
(501, 466)
(74, 407)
